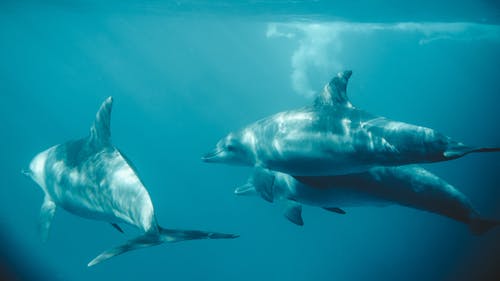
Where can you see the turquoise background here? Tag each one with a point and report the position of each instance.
(183, 74)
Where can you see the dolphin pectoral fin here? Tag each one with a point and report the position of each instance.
(335, 210)
(47, 212)
(117, 227)
(293, 212)
(153, 239)
(246, 190)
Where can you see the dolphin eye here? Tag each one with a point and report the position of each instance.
(230, 147)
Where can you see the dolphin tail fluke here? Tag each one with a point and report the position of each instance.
(480, 226)
(144, 241)
(177, 235)
(153, 239)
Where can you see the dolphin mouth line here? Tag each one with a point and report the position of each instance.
(211, 155)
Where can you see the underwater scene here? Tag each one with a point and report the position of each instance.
(249, 140)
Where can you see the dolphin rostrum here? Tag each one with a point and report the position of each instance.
(410, 186)
(91, 178)
(332, 137)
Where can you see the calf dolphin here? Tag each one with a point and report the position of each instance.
(410, 186)
(91, 178)
(332, 137)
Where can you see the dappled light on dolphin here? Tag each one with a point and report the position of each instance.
(333, 137)
(91, 178)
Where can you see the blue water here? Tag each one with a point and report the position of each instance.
(183, 74)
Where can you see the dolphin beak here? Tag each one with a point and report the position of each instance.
(212, 156)
(27, 173)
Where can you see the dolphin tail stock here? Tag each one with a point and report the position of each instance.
(150, 239)
(486, 149)
(480, 225)
(460, 150)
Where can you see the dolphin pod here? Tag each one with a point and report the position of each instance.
(91, 178)
(332, 137)
(331, 155)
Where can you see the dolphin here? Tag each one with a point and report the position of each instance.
(332, 137)
(93, 179)
(409, 186)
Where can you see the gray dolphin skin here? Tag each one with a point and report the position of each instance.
(91, 178)
(409, 186)
(332, 137)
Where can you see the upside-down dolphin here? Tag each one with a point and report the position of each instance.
(409, 186)
(332, 137)
(91, 178)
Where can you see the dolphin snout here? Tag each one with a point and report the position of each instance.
(211, 156)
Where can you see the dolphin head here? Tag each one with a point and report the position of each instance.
(261, 183)
(233, 149)
(36, 170)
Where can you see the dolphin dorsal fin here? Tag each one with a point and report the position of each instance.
(100, 133)
(335, 92)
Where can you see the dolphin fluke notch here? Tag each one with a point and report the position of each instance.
(100, 132)
(335, 92)
(153, 239)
